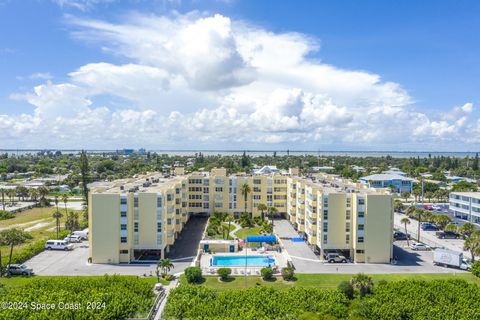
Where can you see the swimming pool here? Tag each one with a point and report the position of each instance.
(239, 261)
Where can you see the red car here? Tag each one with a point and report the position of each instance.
(427, 207)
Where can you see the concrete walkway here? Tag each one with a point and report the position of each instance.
(234, 231)
(172, 285)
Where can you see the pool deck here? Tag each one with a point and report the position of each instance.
(280, 259)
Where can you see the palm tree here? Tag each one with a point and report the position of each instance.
(363, 283)
(245, 191)
(406, 221)
(472, 244)
(57, 215)
(33, 194)
(12, 237)
(442, 220)
(165, 265)
(262, 207)
(11, 195)
(65, 200)
(43, 192)
(272, 211)
(451, 227)
(418, 214)
(229, 219)
(466, 229)
(2, 190)
(405, 195)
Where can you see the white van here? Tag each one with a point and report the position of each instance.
(82, 234)
(58, 245)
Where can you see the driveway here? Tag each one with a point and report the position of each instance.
(301, 254)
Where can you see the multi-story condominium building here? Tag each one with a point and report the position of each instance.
(398, 183)
(139, 219)
(465, 205)
(338, 215)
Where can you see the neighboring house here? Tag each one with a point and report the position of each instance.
(465, 205)
(456, 179)
(395, 171)
(386, 180)
(266, 170)
(358, 169)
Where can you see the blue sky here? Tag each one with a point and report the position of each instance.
(406, 61)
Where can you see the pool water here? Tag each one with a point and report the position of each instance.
(239, 261)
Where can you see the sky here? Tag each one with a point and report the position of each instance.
(233, 75)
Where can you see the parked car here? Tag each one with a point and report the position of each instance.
(58, 245)
(418, 246)
(83, 234)
(19, 269)
(447, 235)
(73, 238)
(398, 235)
(427, 207)
(429, 227)
(336, 258)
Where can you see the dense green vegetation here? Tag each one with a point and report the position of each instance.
(197, 302)
(119, 297)
(357, 297)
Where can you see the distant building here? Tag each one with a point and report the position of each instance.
(465, 205)
(266, 170)
(455, 179)
(358, 169)
(386, 180)
(323, 168)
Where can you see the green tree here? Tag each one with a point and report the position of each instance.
(464, 186)
(442, 221)
(13, 237)
(363, 283)
(472, 244)
(347, 289)
(84, 173)
(272, 211)
(65, 200)
(224, 273)
(2, 191)
(193, 275)
(405, 221)
(451, 227)
(262, 207)
(229, 219)
(466, 229)
(72, 222)
(33, 194)
(397, 205)
(267, 273)
(165, 265)
(405, 196)
(57, 215)
(245, 192)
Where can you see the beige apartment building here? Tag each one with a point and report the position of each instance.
(140, 218)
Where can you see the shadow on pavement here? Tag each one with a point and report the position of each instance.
(188, 240)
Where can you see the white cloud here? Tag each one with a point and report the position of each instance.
(208, 81)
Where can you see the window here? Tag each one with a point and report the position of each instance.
(123, 214)
(159, 227)
(360, 239)
(123, 251)
(123, 200)
(325, 227)
(325, 238)
(123, 239)
(177, 211)
(135, 202)
(218, 189)
(177, 190)
(123, 227)
(169, 197)
(135, 227)
(169, 221)
(361, 201)
(177, 221)
(325, 214)
(257, 181)
(206, 205)
(360, 227)
(257, 197)
(360, 251)
(347, 227)
(347, 238)
(347, 216)
(159, 202)
(361, 214)
(256, 189)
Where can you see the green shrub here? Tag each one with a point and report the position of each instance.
(259, 302)
(476, 269)
(224, 273)
(267, 273)
(288, 273)
(168, 277)
(257, 221)
(193, 275)
(346, 288)
(4, 215)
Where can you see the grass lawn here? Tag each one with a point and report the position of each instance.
(245, 232)
(325, 280)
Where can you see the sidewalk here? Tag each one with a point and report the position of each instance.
(172, 285)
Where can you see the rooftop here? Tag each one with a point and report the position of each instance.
(151, 182)
(385, 176)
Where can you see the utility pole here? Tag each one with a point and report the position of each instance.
(422, 189)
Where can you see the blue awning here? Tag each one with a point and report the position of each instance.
(261, 239)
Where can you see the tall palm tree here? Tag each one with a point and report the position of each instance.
(229, 219)
(165, 265)
(2, 190)
(406, 221)
(12, 237)
(65, 200)
(57, 215)
(418, 214)
(272, 211)
(466, 229)
(245, 191)
(33, 194)
(472, 244)
(363, 283)
(262, 207)
(43, 192)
